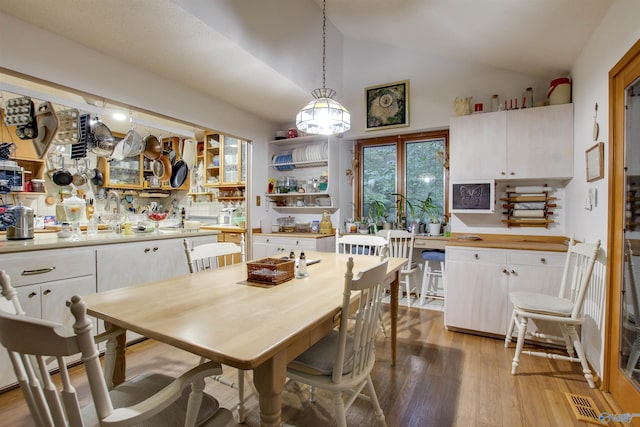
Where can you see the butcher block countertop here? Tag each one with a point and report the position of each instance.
(510, 241)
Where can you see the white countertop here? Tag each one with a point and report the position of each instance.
(52, 241)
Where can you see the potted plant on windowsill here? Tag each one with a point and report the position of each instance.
(401, 199)
(432, 213)
(378, 213)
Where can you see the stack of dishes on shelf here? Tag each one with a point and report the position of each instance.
(284, 158)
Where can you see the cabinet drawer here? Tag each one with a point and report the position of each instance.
(548, 259)
(486, 256)
(232, 237)
(45, 266)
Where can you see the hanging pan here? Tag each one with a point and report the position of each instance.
(179, 174)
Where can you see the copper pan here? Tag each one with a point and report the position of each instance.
(152, 148)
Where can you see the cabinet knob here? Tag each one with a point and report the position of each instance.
(503, 173)
(155, 249)
(505, 272)
(31, 295)
(476, 256)
(512, 173)
(47, 292)
(515, 273)
(543, 260)
(146, 250)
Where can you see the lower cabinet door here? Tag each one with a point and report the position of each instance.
(475, 297)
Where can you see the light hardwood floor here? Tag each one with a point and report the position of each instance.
(442, 378)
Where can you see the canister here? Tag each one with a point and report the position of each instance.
(559, 91)
(23, 227)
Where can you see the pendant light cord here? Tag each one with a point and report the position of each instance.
(324, 42)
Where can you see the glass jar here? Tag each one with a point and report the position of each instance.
(495, 103)
(527, 98)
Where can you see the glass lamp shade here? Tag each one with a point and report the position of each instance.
(323, 115)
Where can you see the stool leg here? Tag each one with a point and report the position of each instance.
(426, 278)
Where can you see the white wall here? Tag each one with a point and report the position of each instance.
(615, 35)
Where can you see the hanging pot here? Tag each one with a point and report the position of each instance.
(103, 140)
(167, 168)
(97, 178)
(133, 144)
(179, 174)
(62, 176)
(152, 148)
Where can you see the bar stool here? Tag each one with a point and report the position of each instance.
(430, 276)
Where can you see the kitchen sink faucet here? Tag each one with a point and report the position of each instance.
(111, 194)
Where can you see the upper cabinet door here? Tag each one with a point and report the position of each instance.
(540, 142)
(478, 148)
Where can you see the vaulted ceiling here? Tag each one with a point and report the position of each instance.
(537, 37)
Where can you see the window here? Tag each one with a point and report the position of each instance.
(411, 165)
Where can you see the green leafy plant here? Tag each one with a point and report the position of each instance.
(377, 211)
(401, 200)
(430, 210)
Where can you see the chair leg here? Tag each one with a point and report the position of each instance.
(426, 278)
(407, 283)
(522, 329)
(376, 404)
(571, 330)
(512, 324)
(193, 405)
(241, 398)
(384, 329)
(341, 416)
(567, 341)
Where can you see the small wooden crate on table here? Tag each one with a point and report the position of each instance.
(270, 271)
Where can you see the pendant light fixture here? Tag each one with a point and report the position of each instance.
(323, 115)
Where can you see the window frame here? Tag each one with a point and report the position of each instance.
(399, 141)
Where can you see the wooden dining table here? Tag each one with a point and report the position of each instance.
(219, 315)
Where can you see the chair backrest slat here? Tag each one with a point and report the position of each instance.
(576, 277)
(362, 244)
(400, 243)
(359, 329)
(213, 255)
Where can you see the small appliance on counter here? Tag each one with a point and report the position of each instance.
(22, 229)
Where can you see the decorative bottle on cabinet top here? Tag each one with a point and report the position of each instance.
(527, 98)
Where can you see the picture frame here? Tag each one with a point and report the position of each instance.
(595, 162)
(387, 105)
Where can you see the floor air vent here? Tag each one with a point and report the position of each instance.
(584, 408)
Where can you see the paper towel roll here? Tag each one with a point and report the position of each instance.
(528, 213)
(529, 189)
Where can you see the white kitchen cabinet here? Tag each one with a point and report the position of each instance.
(531, 143)
(125, 264)
(540, 142)
(479, 281)
(269, 245)
(478, 146)
(313, 157)
(475, 289)
(45, 281)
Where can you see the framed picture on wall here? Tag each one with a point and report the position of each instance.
(595, 162)
(387, 105)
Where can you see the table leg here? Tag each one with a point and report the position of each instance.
(269, 379)
(120, 367)
(395, 288)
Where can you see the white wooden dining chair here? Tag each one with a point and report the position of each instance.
(341, 362)
(565, 309)
(214, 255)
(211, 256)
(400, 243)
(11, 304)
(361, 244)
(148, 399)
